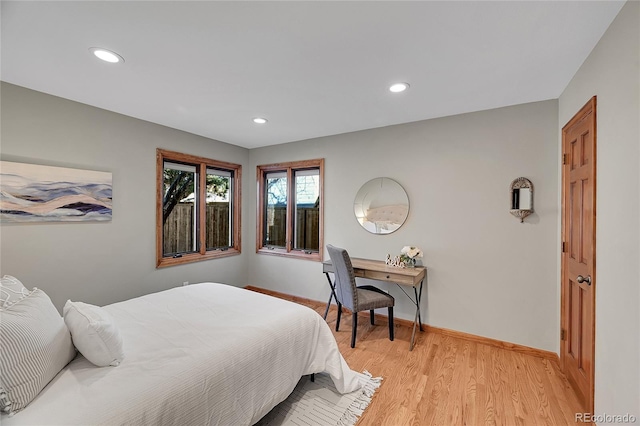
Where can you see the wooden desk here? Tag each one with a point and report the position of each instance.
(380, 271)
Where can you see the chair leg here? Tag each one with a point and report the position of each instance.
(372, 315)
(391, 323)
(353, 331)
(339, 315)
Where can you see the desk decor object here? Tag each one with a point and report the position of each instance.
(407, 258)
(521, 196)
(36, 193)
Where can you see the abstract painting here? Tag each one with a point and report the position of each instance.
(34, 193)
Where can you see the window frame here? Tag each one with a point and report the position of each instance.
(201, 164)
(290, 168)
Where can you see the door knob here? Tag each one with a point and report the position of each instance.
(582, 279)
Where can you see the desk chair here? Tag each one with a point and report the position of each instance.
(357, 299)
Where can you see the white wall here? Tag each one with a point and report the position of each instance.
(612, 73)
(488, 274)
(100, 263)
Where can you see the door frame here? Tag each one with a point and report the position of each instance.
(589, 107)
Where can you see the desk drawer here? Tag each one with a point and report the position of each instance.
(358, 272)
(387, 276)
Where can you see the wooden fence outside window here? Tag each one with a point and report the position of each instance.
(178, 229)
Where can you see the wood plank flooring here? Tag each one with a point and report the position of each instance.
(447, 380)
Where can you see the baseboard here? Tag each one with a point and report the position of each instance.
(428, 328)
(495, 343)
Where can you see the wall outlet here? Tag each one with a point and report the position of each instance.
(185, 283)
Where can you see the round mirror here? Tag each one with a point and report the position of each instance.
(381, 206)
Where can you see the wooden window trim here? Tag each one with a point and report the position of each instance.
(202, 164)
(290, 168)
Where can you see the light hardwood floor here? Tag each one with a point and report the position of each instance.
(447, 380)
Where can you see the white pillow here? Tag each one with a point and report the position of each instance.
(11, 290)
(94, 333)
(35, 345)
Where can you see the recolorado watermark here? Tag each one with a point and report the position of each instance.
(605, 418)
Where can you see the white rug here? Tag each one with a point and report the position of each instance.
(319, 404)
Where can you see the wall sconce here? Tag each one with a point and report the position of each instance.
(521, 198)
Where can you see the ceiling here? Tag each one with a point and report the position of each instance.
(311, 68)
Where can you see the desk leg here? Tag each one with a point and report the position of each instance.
(417, 321)
(413, 333)
(418, 299)
(331, 296)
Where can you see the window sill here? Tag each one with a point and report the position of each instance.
(297, 254)
(195, 257)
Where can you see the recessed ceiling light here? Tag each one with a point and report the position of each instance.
(399, 87)
(106, 55)
(260, 120)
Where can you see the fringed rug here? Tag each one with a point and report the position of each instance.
(319, 403)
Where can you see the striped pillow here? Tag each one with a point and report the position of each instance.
(35, 345)
(11, 290)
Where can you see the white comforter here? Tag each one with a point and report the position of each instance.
(205, 354)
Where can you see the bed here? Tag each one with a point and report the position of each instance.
(203, 354)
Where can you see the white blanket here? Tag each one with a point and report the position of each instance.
(204, 354)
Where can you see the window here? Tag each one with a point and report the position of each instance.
(290, 221)
(197, 208)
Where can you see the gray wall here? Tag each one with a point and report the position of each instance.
(100, 263)
(488, 274)
(612, 73)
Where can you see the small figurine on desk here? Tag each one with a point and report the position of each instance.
(405, 260)
(396, 262)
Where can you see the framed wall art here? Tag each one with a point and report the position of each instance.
(35, 193)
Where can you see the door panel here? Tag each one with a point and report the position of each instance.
(578, 262)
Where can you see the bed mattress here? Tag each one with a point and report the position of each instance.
(203, 354)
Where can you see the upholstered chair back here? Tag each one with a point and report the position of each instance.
(345, 280)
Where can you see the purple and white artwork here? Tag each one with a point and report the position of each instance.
(34, 193)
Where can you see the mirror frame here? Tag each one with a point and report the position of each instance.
(521, 198)
(391, 213)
